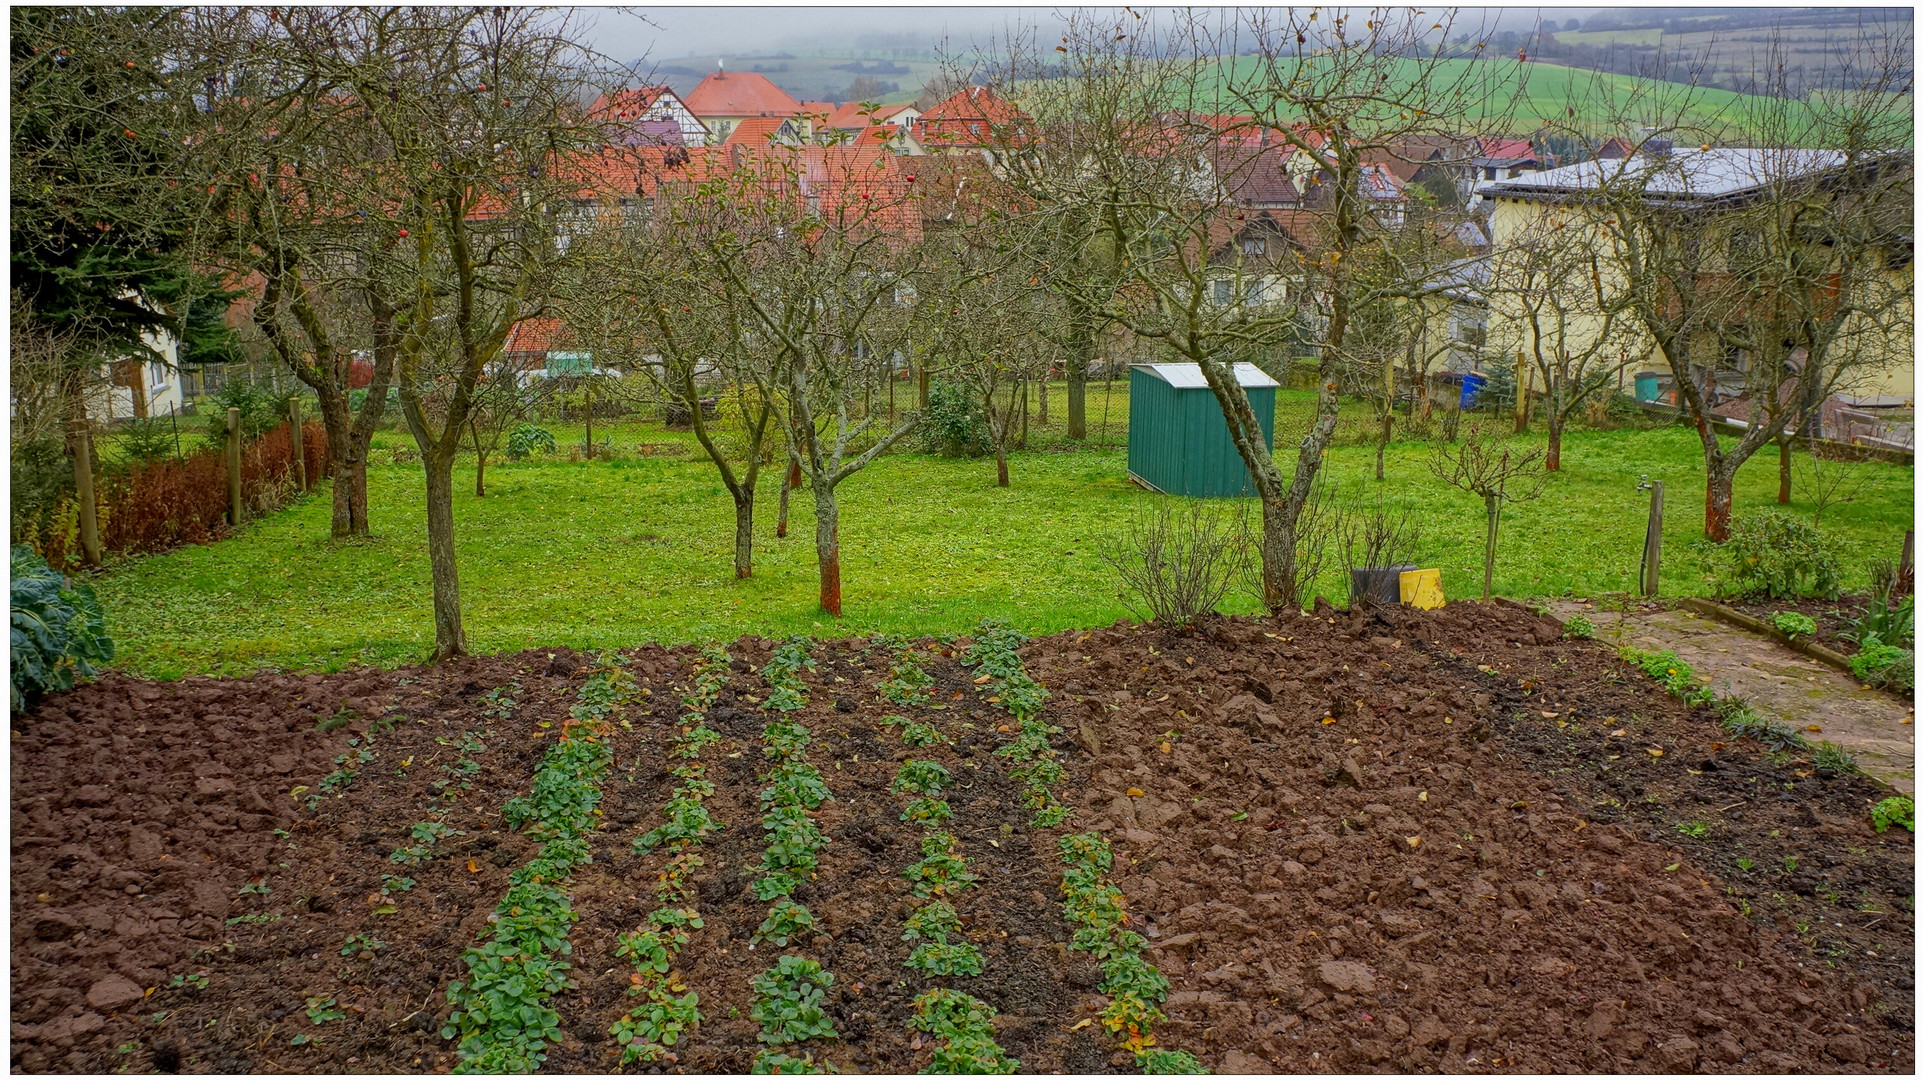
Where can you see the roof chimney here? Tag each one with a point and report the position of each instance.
(720, 68)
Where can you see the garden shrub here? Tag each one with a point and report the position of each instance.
(260, 411)
(1883, 665)
(1579, 627)
(1775, 555)
(59, 630)
(953, 423)
(527, 439)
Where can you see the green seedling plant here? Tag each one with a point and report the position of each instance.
(996, 654)
(1696, 829)
(785, 921)
(191, 981)
(928, 811)
(1894, 810)
(941, 871)
(1579, 627)
(907, 685)
(915, 733)
(1741, 721)
(922, 778)
(1157, 1062)
(648, 1029)
(362, 944)
(789, 1002)
(776, 1063)
(964, 1026)
(1832, 760)
(320, 1010)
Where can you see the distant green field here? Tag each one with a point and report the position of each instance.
(1648, 35)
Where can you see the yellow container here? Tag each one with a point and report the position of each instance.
(1422, 588)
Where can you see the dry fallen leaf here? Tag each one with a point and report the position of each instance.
(1550, 715)
(1655, 753)
(1135, 793)
(1423, 797)
(1327, 719)
(473, 867)
(1817, 728)
(982, 679)
(1413, 841)
(1618, 733)
(1082, 1024)
(1166, 748)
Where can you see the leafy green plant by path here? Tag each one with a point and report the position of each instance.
(921, 778)
(1835, 761)
(776, 1063)
(1894, 810)
(1773, 554)
(1672, 672)
(670, 1010)
(1743, 722)
(931, 925)
(1794, 624)
(526, 440)
(654, 1025)
(500, 1014)
(427, 835)
(361, 943)
(1881, 665)
(964, 1024)
(907, 685)
(1579, 627)
(59, 631)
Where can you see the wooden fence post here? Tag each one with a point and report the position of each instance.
(300, 452)
(233, 468)
(1652, 544)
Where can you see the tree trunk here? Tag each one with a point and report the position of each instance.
(480, 461)
(1387, 431)
(80, 445)
(1521, 395)
(1080, 355)
(1000, 465)
(450, 640)
(1494, 509)
(1281, 509)
(793, 481)
(1042, 416)
(350, 466)
(1782, 491)
(744, 531)
(1721, 501)
(827, 545)
(1556, 422)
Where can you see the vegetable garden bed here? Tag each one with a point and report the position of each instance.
(1343, 841)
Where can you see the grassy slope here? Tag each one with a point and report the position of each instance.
(615, 553)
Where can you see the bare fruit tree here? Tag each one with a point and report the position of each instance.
(1484, 464)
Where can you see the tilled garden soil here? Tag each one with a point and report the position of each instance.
(1386, 840)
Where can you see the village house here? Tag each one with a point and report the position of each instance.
(724, 99)
(650, 116)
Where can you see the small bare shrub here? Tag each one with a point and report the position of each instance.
(1374, 535)
(1176, 562)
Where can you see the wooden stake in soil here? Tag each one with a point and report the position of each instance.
(233, 467)
(1652, 544)
(300, 455)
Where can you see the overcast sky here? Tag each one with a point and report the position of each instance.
(626, 34)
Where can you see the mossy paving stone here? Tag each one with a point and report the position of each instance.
(1271, 854)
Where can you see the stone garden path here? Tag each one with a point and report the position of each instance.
(1776, 681)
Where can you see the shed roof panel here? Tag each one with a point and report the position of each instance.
(1189, 377)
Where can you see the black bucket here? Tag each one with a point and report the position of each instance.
(1376, 584)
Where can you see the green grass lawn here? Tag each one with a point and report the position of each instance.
(614, 553)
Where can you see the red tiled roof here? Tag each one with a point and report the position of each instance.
(754, 131)
(535, 336)
(877, 135)
(973, 103)
(739, 93)
(1507, 150)
(848, 117)
(818, 111)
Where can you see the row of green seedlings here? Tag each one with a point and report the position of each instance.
(1741, 721)
(790, 997)
(962, 1025)
(1097, 911)
(501, 1016)
(428, 834)
(670, 1011)
(996, 654)
(1094, 906)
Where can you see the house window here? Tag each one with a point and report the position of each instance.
(974, 129)
(1254, 245)
(156, 376)
(1253, 293)
(1224, 292)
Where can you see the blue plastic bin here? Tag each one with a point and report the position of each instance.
(1472, 384)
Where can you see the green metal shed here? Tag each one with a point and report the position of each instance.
(1177, 441)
